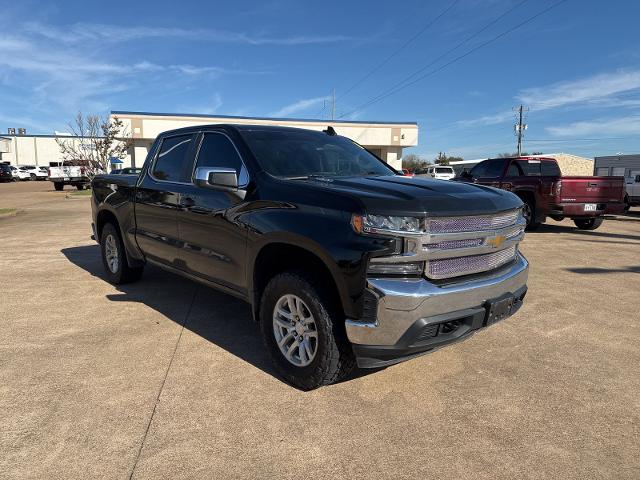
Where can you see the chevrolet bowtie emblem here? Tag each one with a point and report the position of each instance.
(496, 241)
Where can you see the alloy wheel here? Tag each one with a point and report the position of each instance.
(111, 253)
(295, 331)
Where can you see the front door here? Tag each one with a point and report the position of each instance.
(212, 240)
(158, 199)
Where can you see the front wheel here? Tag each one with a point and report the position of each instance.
(58, 186)
(529, 214)
(80, 187)
(588, 223)
(114, 258)
(302, 332)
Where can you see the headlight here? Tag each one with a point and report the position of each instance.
(386, 224)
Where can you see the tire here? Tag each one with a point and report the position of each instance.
(32, 177)
(114, 258)
(529, 212)
(627, 203)
(332, 357)
(588, 223)
(80, 187)
(58, 186)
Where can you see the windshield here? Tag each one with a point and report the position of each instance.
(444, 170)
(488, 169)
(305, 153)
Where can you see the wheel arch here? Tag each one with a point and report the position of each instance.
(279, 256)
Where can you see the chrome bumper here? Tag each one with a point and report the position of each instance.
(402, 302)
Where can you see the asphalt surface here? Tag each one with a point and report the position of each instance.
(168, 379)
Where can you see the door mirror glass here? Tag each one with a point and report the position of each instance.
(637, 178)
(217, 178)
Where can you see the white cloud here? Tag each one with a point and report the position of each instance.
(80, 32)
(299, 106)
(605, 90)
(592, 89)
(617, 126)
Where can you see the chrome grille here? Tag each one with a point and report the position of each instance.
(472, 223)
(450, 244)
(455, 267)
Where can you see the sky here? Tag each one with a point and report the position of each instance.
(457, 67)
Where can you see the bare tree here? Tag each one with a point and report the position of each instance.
(444, 159)
(95, 141)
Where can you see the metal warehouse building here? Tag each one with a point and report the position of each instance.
(618, 165)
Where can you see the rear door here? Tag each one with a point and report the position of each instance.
(212, 240)
(158, 198)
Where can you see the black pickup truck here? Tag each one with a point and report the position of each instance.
(343, 261)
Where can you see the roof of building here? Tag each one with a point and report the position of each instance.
(232, 117)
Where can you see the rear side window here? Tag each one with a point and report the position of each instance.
(550, 169)
(171, 158)
(531, 168)
(515, 170)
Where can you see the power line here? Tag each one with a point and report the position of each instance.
(402, 86)
(580, 139)
(386, 60)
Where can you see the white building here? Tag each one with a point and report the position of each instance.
(385, 139)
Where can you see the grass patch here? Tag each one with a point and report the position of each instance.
(7, 211)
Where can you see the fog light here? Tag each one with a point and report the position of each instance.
(414, 268)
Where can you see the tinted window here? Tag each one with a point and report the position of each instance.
(488, 169)
(444, 170)
(172, 157)
(550, 169)
(531, 168)
(302, 153)
(514, 170)
(218, 151)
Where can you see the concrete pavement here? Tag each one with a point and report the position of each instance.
(168, 379)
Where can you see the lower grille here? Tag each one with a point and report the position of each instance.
(455, 267)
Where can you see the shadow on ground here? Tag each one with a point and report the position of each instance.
(219, 318)
(551, 228)
(596, 270)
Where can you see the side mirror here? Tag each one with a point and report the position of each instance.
(217, 178)
(637, 178)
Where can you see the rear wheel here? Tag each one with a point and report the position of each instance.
(627, 203)
(529, 214)
(33, 177)
(58, 186)
(80, 187)
(114, 258)
(588, 223)
(301, 330)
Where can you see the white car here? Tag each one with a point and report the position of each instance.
(441, 172)
(35, 173)
(19, 174)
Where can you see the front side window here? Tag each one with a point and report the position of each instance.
(171, 158)
(217, 151)
(305, 153)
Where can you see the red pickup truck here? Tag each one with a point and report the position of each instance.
(546, 193)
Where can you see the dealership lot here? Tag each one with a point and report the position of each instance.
(168, 379)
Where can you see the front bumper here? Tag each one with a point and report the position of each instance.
(413, 316)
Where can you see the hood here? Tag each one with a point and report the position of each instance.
(398, 195)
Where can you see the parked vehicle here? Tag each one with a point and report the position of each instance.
(441, 172)
(5, 173)
(126, 171)
(342, 260)
(546, 193)
(407, 173)
(35, 173)
(19, 174)
(632, 193)
(69, 173)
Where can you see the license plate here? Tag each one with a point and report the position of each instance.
(66, 179)
(590, 207)
(499, 309)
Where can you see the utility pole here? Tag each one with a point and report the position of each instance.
(520, 127)
(333, 105)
